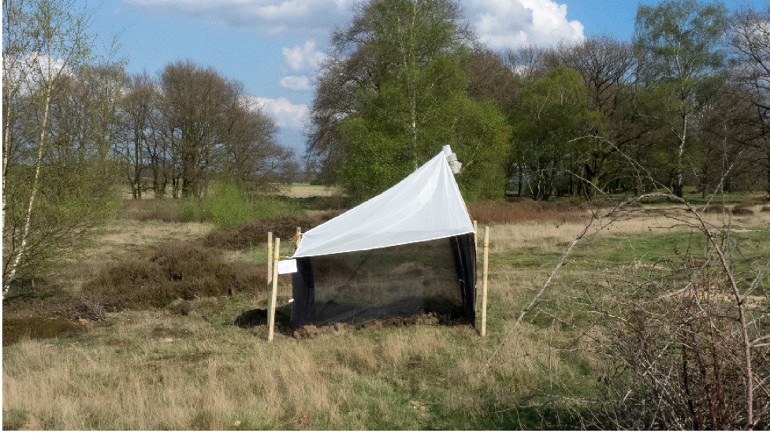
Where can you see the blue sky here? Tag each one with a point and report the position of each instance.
(274, 46)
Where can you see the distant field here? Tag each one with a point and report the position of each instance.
(303, 190)
(295, 190)
(186, 366)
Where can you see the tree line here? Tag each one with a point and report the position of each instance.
(687, 98)
(77, 128)
(190, 124)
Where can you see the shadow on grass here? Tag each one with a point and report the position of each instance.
(257, 317)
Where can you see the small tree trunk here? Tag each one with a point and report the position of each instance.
(767, 169)
(137, 166)
(678, 181)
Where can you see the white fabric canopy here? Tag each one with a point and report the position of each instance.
(425, 205)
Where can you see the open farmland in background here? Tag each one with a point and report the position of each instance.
(115, 341)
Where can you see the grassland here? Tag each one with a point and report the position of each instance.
(140, 367)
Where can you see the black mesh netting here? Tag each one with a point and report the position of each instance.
(435, 276)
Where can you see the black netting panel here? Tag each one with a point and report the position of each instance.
(434, 276)
(464, 250)
(303, 308)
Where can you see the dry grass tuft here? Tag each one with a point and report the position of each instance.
(166, 210)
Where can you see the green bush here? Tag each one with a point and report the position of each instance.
(190, 211)
(228, 204)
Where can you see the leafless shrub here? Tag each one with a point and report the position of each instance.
(686, 344)
(84, 307)
(678, 341)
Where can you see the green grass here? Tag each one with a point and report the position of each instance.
(14, 419)
(154, 368)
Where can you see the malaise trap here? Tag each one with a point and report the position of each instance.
(405, 252)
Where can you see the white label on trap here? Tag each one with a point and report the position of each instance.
(287, 266)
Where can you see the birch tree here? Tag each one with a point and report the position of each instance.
(395, 90)
(45, 48)
(678, 42)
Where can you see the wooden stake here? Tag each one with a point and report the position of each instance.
(269, 258)
(484, 283)
(475, 234)
(273, 292)
(298, 238)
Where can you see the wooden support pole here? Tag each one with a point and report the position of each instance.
(484, 283)
(475, 234)
(298, 238)
(269, 258)
(273, 292)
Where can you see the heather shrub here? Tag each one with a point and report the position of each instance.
(743, 209)
(716, 208)
(16, 329)
(183, 270)
(254, 233)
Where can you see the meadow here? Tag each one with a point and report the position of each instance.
(108, 344)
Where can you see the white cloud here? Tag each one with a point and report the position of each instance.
(285, 114)
(270, 16)
(303, 58)
(499, 23)
(517, 23)
(296, 83)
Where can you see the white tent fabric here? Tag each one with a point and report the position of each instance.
(424, 206)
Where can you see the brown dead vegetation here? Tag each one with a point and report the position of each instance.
(526, 210)
(252, 234)
(178, 270)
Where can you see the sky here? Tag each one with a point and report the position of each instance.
(274, 47)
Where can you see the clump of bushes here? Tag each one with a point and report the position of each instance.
(716, 208)
(743, 209)
(227, 205)
(739, 209)
(528, 210)
(177, 270)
